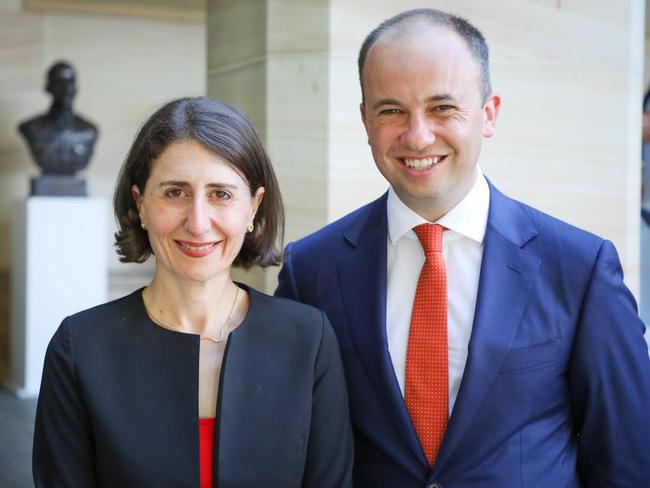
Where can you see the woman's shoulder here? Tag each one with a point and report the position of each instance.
(280, 326)
(119, 310)
(91, 331)
(263, 304)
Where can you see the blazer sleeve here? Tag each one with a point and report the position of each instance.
(329, 450)
(63, 447)
(609, 380)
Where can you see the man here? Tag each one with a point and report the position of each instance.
(60, 141)
(498, 348)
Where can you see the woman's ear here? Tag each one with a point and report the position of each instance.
(137, 197)
(257, 199)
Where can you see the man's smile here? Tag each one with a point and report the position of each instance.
(422, 163)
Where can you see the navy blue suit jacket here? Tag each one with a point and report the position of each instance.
(556, 389)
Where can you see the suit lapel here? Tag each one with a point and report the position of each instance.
(506, 280)
(362, 271)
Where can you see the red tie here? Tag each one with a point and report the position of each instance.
(427, 378)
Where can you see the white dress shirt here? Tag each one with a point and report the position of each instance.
(462, 249)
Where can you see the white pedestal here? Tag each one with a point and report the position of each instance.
(59, 267)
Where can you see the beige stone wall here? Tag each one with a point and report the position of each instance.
(126, 68)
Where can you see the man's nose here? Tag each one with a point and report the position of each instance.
(198, 217)
(419, 133)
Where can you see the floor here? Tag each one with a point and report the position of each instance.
(16, 433)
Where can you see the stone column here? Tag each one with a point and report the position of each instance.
(270, 59)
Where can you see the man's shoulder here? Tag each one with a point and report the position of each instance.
(348, 225)
(546, 228)
(82, 124)
(35, 123)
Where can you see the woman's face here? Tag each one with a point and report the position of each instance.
(196, 209)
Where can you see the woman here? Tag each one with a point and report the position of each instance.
(195, 380)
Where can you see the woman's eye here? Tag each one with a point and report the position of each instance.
(174, 193)
(220, 195)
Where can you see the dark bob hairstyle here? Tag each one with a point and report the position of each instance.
(224, 130)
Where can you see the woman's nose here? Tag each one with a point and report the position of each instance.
(198, 217)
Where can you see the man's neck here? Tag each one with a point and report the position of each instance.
(60, 113)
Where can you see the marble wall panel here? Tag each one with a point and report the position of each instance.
(244, 87)
(4, 323)
(236, 31)
(21, 40)
(298, 26)
(297, 137)
(354, 177)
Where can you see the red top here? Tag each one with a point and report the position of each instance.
(206, 449)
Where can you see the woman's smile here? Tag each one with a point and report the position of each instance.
(196, 249)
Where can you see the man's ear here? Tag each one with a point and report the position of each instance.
(362, 110)
(490, 114)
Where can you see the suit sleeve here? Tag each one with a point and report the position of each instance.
(286, 280)
(609, 380)
(63, 446)
(329, 451)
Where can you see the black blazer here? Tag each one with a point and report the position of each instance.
(119, 402)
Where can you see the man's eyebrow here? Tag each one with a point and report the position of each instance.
(441, 97)
(393, 101)
(385, 101)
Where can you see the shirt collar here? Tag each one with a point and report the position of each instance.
(468, 218)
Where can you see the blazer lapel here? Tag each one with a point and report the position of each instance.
(362, 271)
(506, 280)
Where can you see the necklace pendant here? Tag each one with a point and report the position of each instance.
(217, 340)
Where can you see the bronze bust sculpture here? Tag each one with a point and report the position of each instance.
(60, 142)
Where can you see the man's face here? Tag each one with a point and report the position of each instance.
(63, 88)
(425, 118)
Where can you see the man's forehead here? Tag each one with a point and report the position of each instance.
(421, 37)
(66, 74)
(420, 52)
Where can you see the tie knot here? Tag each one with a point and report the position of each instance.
(430, 236)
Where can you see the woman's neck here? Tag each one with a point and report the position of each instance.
(192, 307)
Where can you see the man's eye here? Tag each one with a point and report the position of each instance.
(444, 108)
(174, 193)
(390, 111)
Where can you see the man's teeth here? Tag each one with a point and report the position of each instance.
(196, 248)
(422, 163)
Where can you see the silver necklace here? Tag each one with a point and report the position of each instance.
(222, 333)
